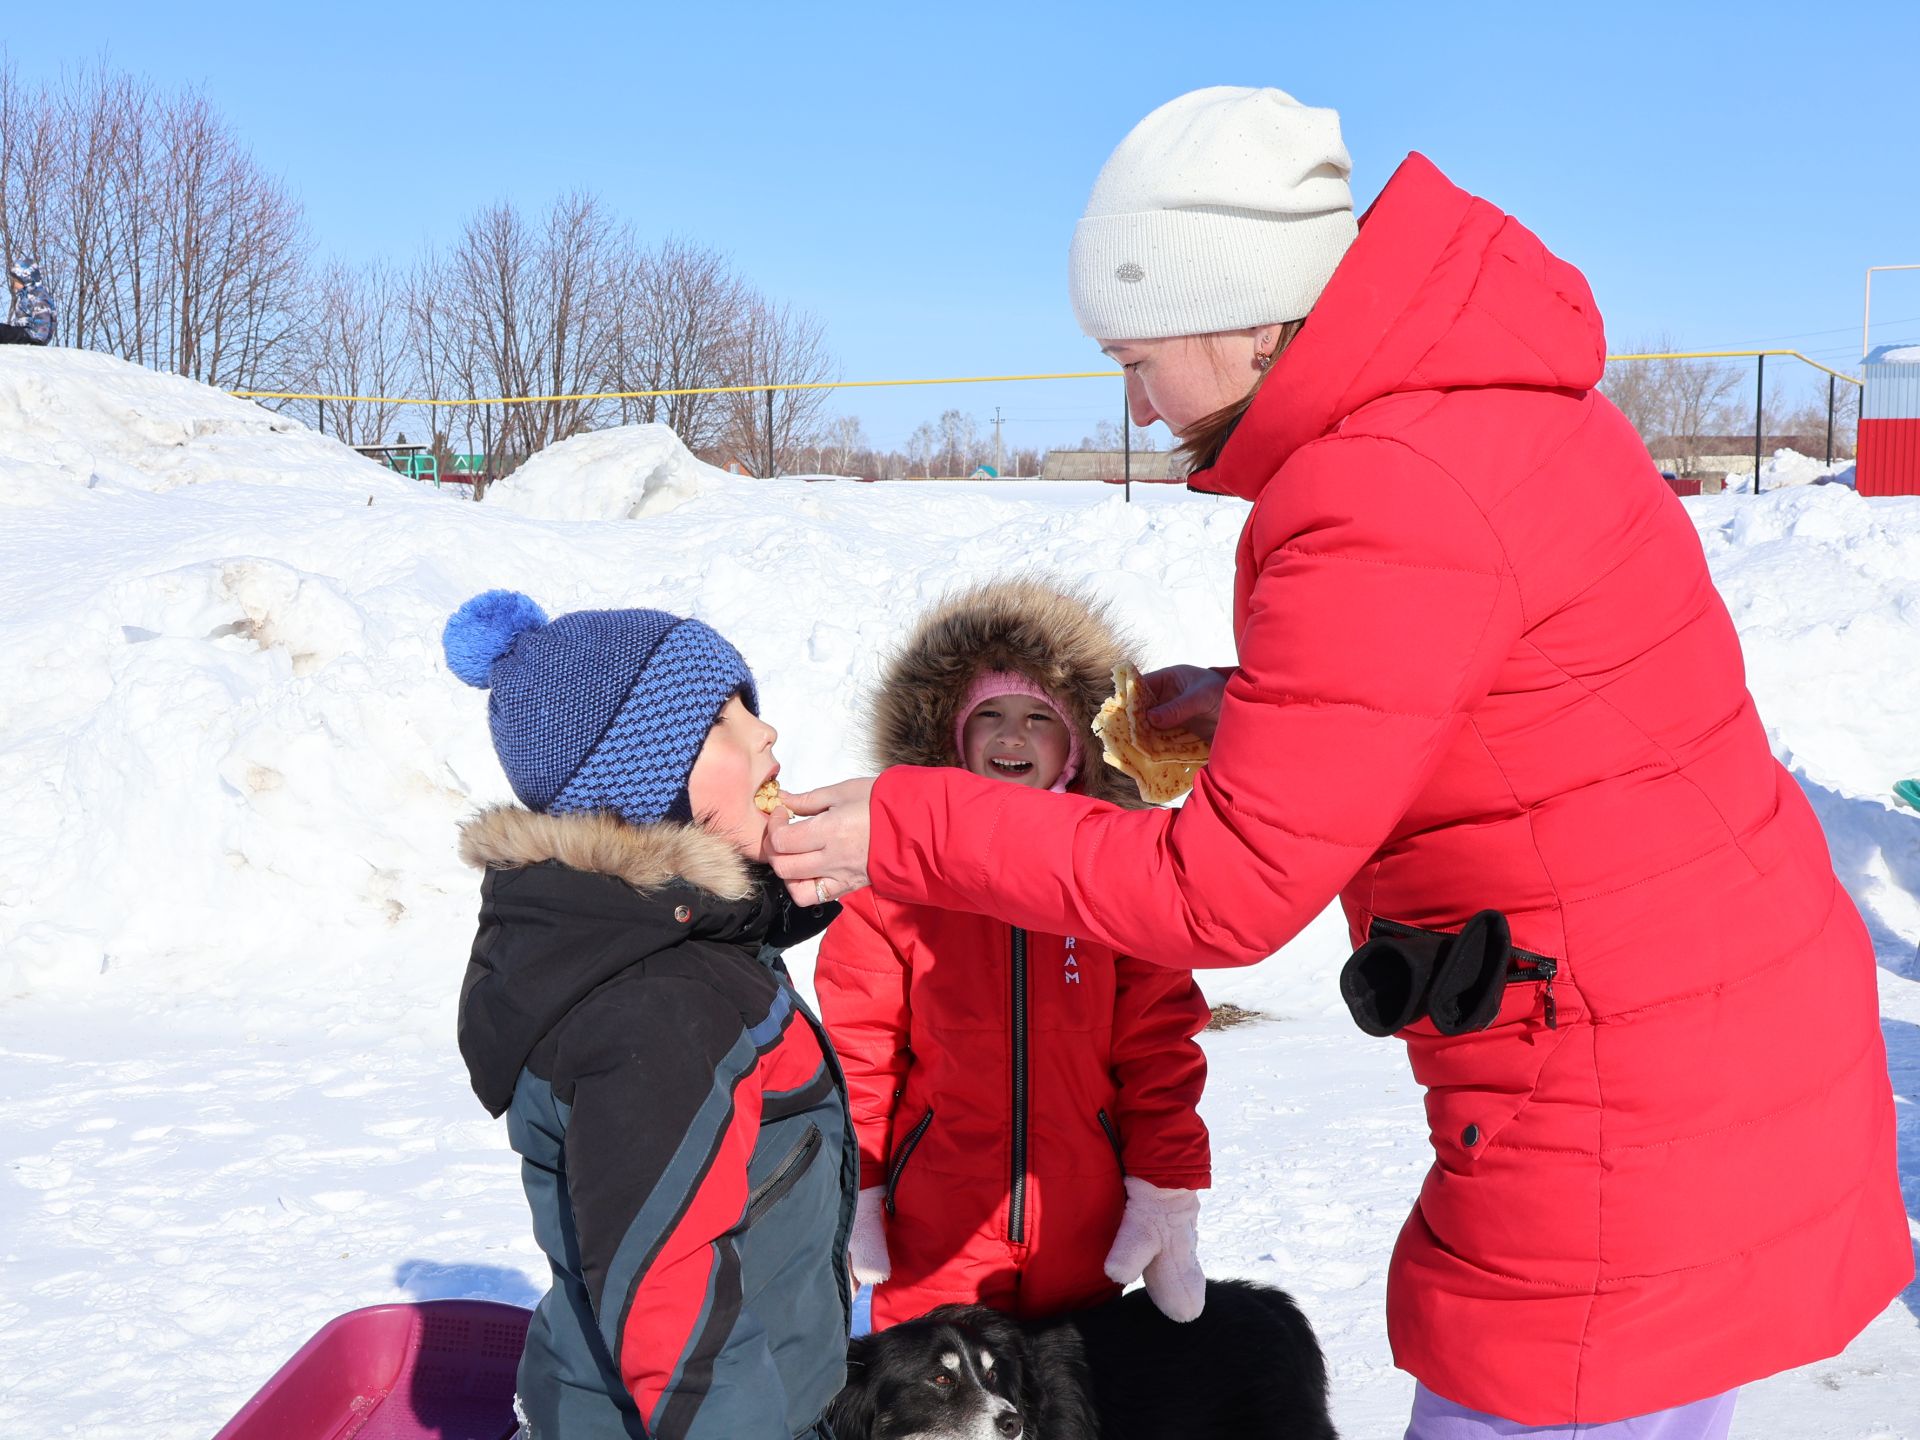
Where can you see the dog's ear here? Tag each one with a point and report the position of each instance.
(850, 1413)
(1057, 1392)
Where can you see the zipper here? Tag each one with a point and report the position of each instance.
(785, 1175)
(1017, 1204)
(1113, 1139)
(900, 1160)
(1523, 966)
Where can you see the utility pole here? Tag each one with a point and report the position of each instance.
(999, 461)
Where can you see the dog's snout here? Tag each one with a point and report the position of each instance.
(1007, 1423)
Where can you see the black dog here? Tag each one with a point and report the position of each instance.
(1247, 1369)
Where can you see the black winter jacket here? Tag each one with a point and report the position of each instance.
(688, 1157)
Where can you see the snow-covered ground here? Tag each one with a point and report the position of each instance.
(232, 926)
(1786, 468)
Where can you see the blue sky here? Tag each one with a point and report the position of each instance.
(1722, 173)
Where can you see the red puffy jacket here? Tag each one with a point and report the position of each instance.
(1002, 1080)
(1482, 665)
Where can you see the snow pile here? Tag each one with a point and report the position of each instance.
(618, 474)
(1825, 589)
(75, 418)
(230, 708)
(232, 925)
(1788, 468)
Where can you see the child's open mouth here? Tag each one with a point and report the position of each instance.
(1011, 767)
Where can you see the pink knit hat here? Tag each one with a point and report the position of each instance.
(990, 683)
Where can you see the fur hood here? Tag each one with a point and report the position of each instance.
(647, 857)
(1061, 641)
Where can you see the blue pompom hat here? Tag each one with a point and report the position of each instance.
(599, 709)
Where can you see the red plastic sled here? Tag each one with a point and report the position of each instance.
(429, 1370)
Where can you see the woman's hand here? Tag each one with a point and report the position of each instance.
(824, 855)
(1185, 697)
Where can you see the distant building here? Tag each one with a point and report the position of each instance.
(1152, 467)
(1890, 422)
(1723, 454)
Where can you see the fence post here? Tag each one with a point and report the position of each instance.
(1126, 440)
(1830, 384)
(323, 415)
(769, 432)
(1759, 416)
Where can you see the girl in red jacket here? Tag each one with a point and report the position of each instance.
(1025, 1102)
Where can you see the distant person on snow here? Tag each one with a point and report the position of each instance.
(30, 316)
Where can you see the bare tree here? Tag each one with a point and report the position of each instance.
(1806, 418)
(962, 448)
(1106, 436)
(924, 448)
(775, 344)
(1673, 404)
(841, 439)
(1696, 406)
(537, 308)
(234, 254)
(487, 285)
(442, 363)
(1638, 389)
(677, 329)
(162, 239)
(357, 345)
(584, 256)
(166, 242)
(31, 188)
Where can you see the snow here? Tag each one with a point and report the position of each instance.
(618, 474)
(232, 926)
(1787, 468)
(1899, 355)
(73, 418)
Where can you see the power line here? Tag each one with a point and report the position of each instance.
(1837, 330)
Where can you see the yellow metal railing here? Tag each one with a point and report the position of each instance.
(1736, 355)
(886, 384)
(651, 394)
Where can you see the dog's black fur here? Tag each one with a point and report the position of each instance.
(1248, 1369)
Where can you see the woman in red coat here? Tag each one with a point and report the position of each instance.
(1025, 1101)
(1481, 667)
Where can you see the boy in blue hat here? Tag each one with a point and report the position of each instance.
(681, 1119)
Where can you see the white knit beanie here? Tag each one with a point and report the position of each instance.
(1225, 208)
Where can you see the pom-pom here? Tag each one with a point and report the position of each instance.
(484, 629)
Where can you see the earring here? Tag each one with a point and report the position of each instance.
(1262, 360)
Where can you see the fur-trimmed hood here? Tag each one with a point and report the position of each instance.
(571, 902)
(1063, 642)
(647, 857)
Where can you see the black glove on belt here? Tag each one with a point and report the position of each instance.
(1402, 974)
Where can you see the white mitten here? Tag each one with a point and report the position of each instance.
(1159, 1236)
(867, 1248)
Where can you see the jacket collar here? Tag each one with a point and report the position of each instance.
(1440, 290)
(646, 857)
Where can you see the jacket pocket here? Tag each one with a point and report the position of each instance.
(1113, 1139)
(785, 1175)
(1454, 980)
(904, 1154)
(1479, 1049)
